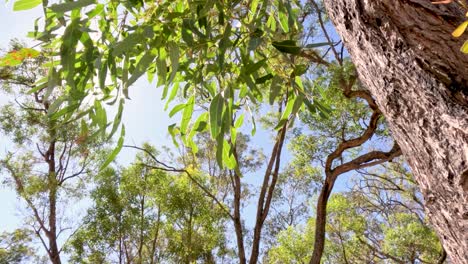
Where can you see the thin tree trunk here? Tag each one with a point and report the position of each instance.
(49, 158)
(52, 235)
(142, 229)
(405, 55)
(266, 193)
(120, 239)
(156, 236)
(188, 259)
(236, 183)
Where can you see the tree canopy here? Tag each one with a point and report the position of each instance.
(227, 70)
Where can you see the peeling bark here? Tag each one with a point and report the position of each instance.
(405, 55)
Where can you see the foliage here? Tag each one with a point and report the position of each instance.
(144, 215)
(367, 225)
(220, 65)
(15, 247)
(222, 57)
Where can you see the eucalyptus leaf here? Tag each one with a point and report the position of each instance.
(287, 46)
(21, 5)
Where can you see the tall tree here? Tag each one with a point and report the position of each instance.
(52, 155)
(16, 248)
(379, 221)
(406, 57)
(141, 214)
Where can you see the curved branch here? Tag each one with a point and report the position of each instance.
(331, 174)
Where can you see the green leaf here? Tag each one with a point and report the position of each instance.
(140, 68)
(219, 150)
(233, 135)
(253, 6)
(252, 68)
(116, 151)
(298, 83)
(20, 5)
(39, 85)
(55, 105)
(173, 131)
(254, 43)
(228, 158)
(287, 46)
(283, 18)
(52, 83)
(127, 44)
(239, 121)
(324, 110)
(174, 56)
(318, 108)
(187, 36)
(216, 111)
(312, 108)
(161, 67)
(66, 110)
(117, 119)
(95, 11)
(297, 104)
(264, 79)
(173, 94)
(287, 111)
(254, 125)
(102, 75)
(69, 6)
(275, 89)
(201, 123)
(316, 45)
(187, 114)
(300, 69)
(176, 109)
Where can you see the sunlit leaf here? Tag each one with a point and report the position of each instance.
(216, 111)
(187, 114)
(116, 150)
(275, 89)
(117, 119)
(20, 5)
(140, 68)
(176, 109)
(69, 6)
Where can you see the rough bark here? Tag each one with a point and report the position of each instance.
(405, 55)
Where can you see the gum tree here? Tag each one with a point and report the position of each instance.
(406, 56)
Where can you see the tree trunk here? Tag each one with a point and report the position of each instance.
(405, 55)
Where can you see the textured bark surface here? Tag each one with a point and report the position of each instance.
(405, 55)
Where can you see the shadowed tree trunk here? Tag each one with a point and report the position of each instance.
(405, 55)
